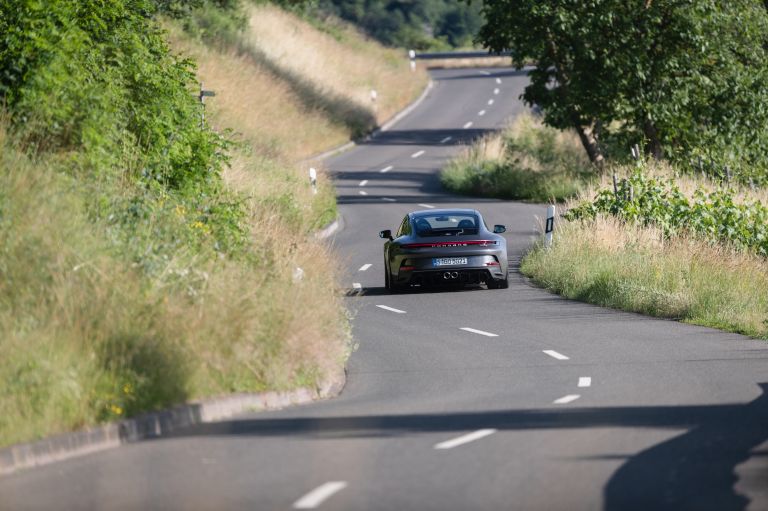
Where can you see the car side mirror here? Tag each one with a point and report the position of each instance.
(387, 234)
(498, 229)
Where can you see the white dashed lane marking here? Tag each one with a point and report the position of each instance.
(363, 193)
(319, 495)
(498, 80)
(426, 206)
(386, 169)
(363, 182)
(465, 439)
(417, 154)
(390, 309)
(585, 381)
(495, 91)
(468, 125)
(481, 113)
(357, 285)
(478, 332)
(554, 354)
(365, 267)
(490, 101)
(566, 399)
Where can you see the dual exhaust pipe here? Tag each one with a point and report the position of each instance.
(449, 275)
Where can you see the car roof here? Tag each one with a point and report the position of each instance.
(432, 212)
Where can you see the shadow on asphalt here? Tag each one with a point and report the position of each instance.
(501, 73)
(694, 470)
(424, 137)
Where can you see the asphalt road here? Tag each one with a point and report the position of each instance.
(566, 406)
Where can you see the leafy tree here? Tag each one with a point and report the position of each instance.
(419, 25)
(685, 77)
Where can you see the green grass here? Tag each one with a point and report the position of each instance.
(527, 161)
(91, 332)
(627, 267)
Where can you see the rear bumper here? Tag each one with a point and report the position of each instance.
(448, 277)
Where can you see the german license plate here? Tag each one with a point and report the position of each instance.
(448, 261)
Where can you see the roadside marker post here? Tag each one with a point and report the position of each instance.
(549, 226)
(313, 179)
(203, 94)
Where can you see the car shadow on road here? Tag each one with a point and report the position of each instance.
(694, 470)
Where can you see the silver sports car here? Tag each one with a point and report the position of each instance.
(444, 247)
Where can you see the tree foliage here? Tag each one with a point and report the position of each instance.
(418, 25)
(98, 76)
(684, 78)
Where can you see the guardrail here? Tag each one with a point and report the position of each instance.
(456, 55)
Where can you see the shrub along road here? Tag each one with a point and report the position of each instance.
(569, 406)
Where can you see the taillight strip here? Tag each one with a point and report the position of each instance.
(441, 244)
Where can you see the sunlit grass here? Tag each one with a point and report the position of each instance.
(526, 161)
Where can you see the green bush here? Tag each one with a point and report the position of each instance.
(716, 215)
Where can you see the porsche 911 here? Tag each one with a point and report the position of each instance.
(452, 247)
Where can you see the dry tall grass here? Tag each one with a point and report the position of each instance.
(292, 91)
(88, 337)
(526, 160)
(630, 267)
(339, 60)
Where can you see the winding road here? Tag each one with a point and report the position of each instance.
(462, 400)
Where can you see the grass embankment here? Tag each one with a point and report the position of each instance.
(685, 248)
(526, 161)
(136, 269)
(664, 244)
(294, 89)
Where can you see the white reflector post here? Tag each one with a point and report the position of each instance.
(549, 226)
(313, 178)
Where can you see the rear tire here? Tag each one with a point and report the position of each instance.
(499, 284)
(391, 286)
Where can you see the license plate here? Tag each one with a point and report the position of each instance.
(449, 261)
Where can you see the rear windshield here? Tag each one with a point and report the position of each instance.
(446, 225)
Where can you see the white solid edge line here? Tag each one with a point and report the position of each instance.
(481, 113)
(465, 439)
(585, 381)
(391, 309)
(554, 354)
(386, 169)
(495, 91)
(363, 193)
(479, 332)
(490, 101)
(498, 80)
(446, 139)
(566, 399)
(417, 154)
(426, 206)
(365, 267)
(317, 496)
(388, 199)
(357, 285)
(468, 125)
(363, 182)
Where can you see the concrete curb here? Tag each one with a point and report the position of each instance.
(385, 127)
(330, 229)
(157, 424)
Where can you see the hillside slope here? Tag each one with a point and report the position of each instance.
(146, 260)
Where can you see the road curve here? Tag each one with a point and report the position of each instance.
(476, 399)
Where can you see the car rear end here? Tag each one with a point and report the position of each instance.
(454, 262)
